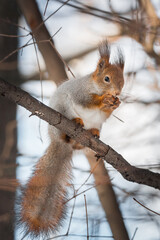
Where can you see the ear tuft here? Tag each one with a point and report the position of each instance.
(104, 49)
(120, 58)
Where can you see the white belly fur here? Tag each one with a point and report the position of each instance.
(92, 118)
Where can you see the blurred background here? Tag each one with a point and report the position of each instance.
(28, 59)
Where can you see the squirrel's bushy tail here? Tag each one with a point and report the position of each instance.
(43, 199)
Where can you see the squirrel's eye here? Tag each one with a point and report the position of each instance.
(107, 79)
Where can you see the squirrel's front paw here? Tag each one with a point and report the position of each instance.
(94, 132)
(78, 121)
(110, 101)
(116, 103)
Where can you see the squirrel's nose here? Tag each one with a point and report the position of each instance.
(116, 93)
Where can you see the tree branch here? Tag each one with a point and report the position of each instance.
(54, 63)
(129, 172)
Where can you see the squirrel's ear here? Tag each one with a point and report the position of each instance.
(104, 50)
(101, 63)
(120, 59)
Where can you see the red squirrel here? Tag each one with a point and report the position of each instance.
(88, 101)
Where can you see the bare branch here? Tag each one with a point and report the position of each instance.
(54, 64)
(46, 8)
(129, 172)
(146, 207)
(84, 8)
(86, 216)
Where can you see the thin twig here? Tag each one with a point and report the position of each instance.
(40, 75)
(46, 8)
(16, 50)
(134, 234)
(29, 44)
(118, 118)
(42, 23)
(146, 207)
(70, 220)
(78, 194)
(15, 24)
(86, 216)
(68, 68)
(14, 36)
(91, 172)
(82, 235)
(39, 68)
(90, 10)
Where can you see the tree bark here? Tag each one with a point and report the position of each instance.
(8, 133)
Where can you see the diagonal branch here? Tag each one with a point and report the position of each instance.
(54, 63)
(129, 172)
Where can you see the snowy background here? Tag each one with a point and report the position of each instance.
(137, 138)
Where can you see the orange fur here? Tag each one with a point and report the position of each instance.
(106, 102)
(94, 132)
(65, 138)
(43, 200)
(78, 121)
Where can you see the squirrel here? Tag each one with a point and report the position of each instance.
(88, 101)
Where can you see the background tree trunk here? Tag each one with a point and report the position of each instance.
(54, 63)
(107, 197)
(8, 133)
